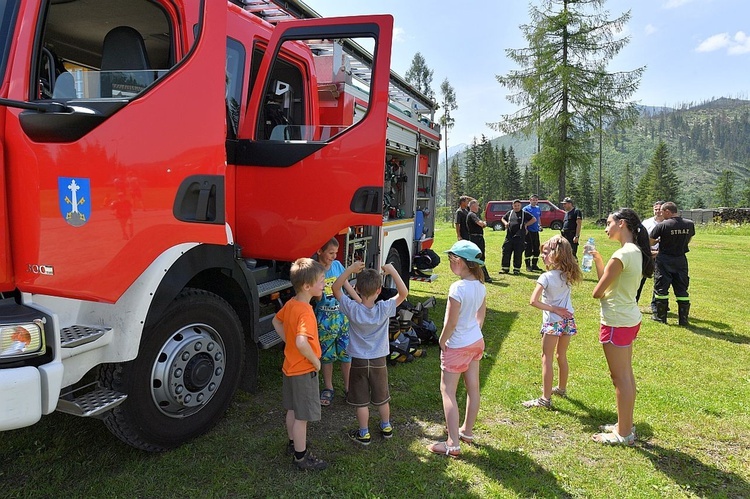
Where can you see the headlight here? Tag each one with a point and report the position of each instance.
(21, 340)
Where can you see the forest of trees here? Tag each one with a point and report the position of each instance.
(698, 156)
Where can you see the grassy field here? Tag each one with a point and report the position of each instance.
(692, 413)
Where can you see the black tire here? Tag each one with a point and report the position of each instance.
(188, 367)
(556, 225)
(394, 258)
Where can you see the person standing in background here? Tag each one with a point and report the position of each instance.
(532, 235)
(649, 224)
(459, 218)
(475, 226)
(571, 229)
(673, 235)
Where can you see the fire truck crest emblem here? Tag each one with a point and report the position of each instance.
(75, 200)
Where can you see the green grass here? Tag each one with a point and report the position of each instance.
(692, 413)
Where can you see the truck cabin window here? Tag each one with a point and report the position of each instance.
(340, 84)
(100, 49)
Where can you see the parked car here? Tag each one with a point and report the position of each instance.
(552, 216)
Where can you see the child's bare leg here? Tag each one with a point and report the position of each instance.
(346, 368)
(620, 364)
(300, 435)
(448, 385)
(471, 380)
(385, 412)
(290, 424)
(549, 342)
(363, 417)
(327, 370)
(562, 361)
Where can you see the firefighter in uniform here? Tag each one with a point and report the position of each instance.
(475, 228)
(673, 235)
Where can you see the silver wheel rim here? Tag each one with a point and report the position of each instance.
(188, 370)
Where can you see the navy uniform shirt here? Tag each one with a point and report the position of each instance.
(674, 235)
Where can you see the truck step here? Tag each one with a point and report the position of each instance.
(91, 403)
(271, 287)
(75, 336)
(268, 340)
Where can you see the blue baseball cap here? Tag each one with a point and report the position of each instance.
(467, 250)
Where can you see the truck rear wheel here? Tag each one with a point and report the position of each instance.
(395, 259)
(187, 369)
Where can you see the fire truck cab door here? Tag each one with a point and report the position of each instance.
(94, 188)
(299, 184)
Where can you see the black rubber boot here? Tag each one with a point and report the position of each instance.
(528, 264)
(534, 265)
(683, 310)
(660, 313)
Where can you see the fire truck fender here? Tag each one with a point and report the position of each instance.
(212, 268)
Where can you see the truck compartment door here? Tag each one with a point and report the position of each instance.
(298, 183)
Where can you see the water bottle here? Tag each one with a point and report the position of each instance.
(588, 259)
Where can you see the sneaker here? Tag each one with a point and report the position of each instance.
(387, 430)
(360, 439)
(540, 402)
(310, 462)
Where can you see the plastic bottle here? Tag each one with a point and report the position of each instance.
(588, 259)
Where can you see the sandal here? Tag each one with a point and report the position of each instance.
(559, 392)
(469, 439)
(326, 397)
(444, 449)
(609, 428)
(614, 438)
(540, 402)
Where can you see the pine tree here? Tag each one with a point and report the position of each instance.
(745, 196)
(627, 197)
(515, 182)
(447, 121)
(455, 183)
(608, 196)
(420, 75)
(562, 87)
(725, 189)
(471, 182)
(659, 181)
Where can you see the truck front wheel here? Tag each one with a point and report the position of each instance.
(188, 367)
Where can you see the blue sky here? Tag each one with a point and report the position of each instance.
(693, 50)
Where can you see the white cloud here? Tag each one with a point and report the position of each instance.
(650, 29)
(715, 42)
(740, 45)
(736, 45)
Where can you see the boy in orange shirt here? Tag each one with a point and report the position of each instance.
(295, 323)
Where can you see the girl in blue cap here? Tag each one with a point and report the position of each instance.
(462, 345)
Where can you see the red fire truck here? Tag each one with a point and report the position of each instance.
(162, 162)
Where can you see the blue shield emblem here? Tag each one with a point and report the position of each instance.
(74, 195)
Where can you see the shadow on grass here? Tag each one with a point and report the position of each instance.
(593, 418)
(515, 471)
(717, 331)
(694, 476)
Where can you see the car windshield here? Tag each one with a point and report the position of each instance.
(8, 10)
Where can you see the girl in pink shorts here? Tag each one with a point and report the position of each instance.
(552, 296)
(462, 345)
(620, 317)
